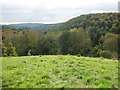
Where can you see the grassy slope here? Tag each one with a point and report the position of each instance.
(59, 71)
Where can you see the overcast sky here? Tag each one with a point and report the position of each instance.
(52, 11)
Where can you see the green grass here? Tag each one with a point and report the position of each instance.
(59, 71)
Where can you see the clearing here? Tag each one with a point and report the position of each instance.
(58, 71)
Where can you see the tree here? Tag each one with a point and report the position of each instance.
(75, 41)
(4, 51)
(64, 42)
(110, 43)
(11, 50)
(114, 29)
(80, 42)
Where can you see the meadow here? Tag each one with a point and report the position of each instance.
(58, 71)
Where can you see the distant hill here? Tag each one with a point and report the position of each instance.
(33, 26)
(100, 21)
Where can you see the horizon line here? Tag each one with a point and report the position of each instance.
(30, 23)
(8, 23)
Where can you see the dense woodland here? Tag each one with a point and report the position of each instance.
(94, 35)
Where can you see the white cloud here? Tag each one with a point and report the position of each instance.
(52, 10)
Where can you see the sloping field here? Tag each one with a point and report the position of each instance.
(57, 71)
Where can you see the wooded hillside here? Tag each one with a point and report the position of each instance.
(93, 35)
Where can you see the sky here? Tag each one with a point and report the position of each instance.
(51, 11)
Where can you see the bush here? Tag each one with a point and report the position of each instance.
(114, 55)
(9, 50)
(4, 51)
(13, 51)
(105, 54)
(78, 55)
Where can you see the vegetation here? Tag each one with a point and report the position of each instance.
(58, 71)
(94, 35)
(60, 50)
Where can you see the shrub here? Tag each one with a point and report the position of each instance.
(4, 51)
(78, 55)
(105, 54)
(13, 51)
(9, 50)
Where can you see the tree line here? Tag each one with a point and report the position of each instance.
(93, 35)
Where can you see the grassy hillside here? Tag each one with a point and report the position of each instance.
(59, 71)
